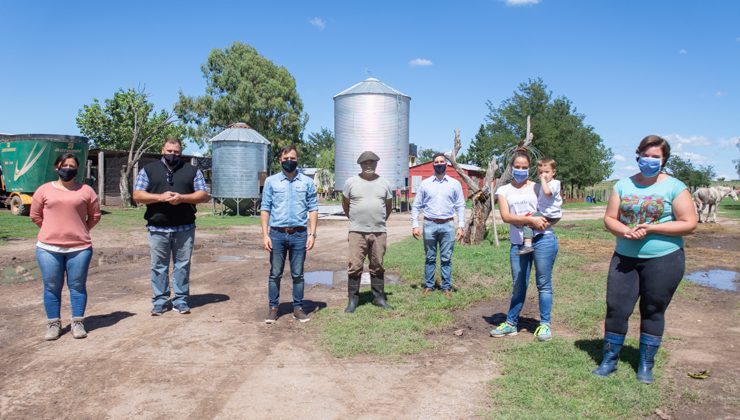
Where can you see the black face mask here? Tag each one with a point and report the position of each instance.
(171, 159)
(289, 165)
(67, 174)
(440, 168)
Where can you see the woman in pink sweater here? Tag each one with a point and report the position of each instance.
(65, 210)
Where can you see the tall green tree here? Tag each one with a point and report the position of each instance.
(127, 122)
(425, 155)
(318, 150)
(692, 176)
(559, 132)
(244, 86)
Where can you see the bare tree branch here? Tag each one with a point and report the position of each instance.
(473, 187)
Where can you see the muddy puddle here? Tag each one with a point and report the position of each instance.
(718, 279)
(336, 278)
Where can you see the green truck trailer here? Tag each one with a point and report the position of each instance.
(27, 161)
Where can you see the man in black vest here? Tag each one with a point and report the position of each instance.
(170, 188)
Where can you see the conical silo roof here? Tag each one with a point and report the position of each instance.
(241, 132)
(370, 85)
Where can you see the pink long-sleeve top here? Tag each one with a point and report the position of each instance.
(65, 217)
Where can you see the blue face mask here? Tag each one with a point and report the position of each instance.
(520, 175)
(649, 167)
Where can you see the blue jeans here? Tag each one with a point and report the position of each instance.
(53, 266)
(440, 235)
(178, 247)
(292, 245)
(545, 251)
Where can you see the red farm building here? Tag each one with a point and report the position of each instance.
(423, 171)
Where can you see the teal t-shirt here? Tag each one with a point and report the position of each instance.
(648, 204)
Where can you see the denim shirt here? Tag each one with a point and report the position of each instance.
(289, 200)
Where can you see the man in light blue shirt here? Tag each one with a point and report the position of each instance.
(440, 197)
(289, 213)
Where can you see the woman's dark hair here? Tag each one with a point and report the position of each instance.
(287, 149)
(521, 152)
(63, 157)
(655, 141)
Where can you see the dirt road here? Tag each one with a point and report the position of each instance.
(222, 361)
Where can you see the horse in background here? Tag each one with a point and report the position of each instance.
(711, 197)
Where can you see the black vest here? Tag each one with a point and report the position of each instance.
(165, 214)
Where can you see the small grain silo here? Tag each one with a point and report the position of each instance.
(372, 116)
(239, 166)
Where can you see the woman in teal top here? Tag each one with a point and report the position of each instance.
(648, 213)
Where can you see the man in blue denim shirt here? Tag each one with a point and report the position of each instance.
(288, 205)
(440, 197)
(170, 188)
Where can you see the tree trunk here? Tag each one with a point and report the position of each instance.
(483, 198)
(475, 227)
(127, 199)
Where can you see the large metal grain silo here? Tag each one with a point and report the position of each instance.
(372, 116)
(239, 157)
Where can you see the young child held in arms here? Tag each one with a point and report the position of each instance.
(549, 200)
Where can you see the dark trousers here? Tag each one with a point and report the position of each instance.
(652, 280)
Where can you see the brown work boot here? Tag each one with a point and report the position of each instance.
(78, 328)
(448, 294)
(53, 329)
(427, 291)
(300, 315)
(272, 315)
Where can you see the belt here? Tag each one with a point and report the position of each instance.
(449, 219)
(291, 229)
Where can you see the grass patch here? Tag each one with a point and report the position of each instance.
(582, 205)
(405, 329)
(553, 380)
(539, 380)
(729, 208)
(12, 227)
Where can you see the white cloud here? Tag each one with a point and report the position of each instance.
(677, 140)
(521, 2)
(729, 143)
(719, 93)
(629, 168)
(318, 22)
(423, 62)
(682, 51)
(619, 157)
(725, 176)
(695, 158)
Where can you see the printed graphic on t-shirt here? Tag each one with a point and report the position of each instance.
(634, 209)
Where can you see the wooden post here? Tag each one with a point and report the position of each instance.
(101, 177)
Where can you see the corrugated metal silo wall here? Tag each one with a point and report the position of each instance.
(374, 122)
(236, 168)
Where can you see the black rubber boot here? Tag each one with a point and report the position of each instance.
(353, 294)
(649, 345)
(377, 284)
(612, 345)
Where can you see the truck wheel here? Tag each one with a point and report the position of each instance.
(17, 207)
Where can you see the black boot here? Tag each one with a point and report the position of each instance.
(612, 345)
(377, 284)
(649, 345)
(353, 294)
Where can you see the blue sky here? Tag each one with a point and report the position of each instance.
(632, 67)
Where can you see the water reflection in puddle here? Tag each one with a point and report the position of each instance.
(335, 278)
(719, 279)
